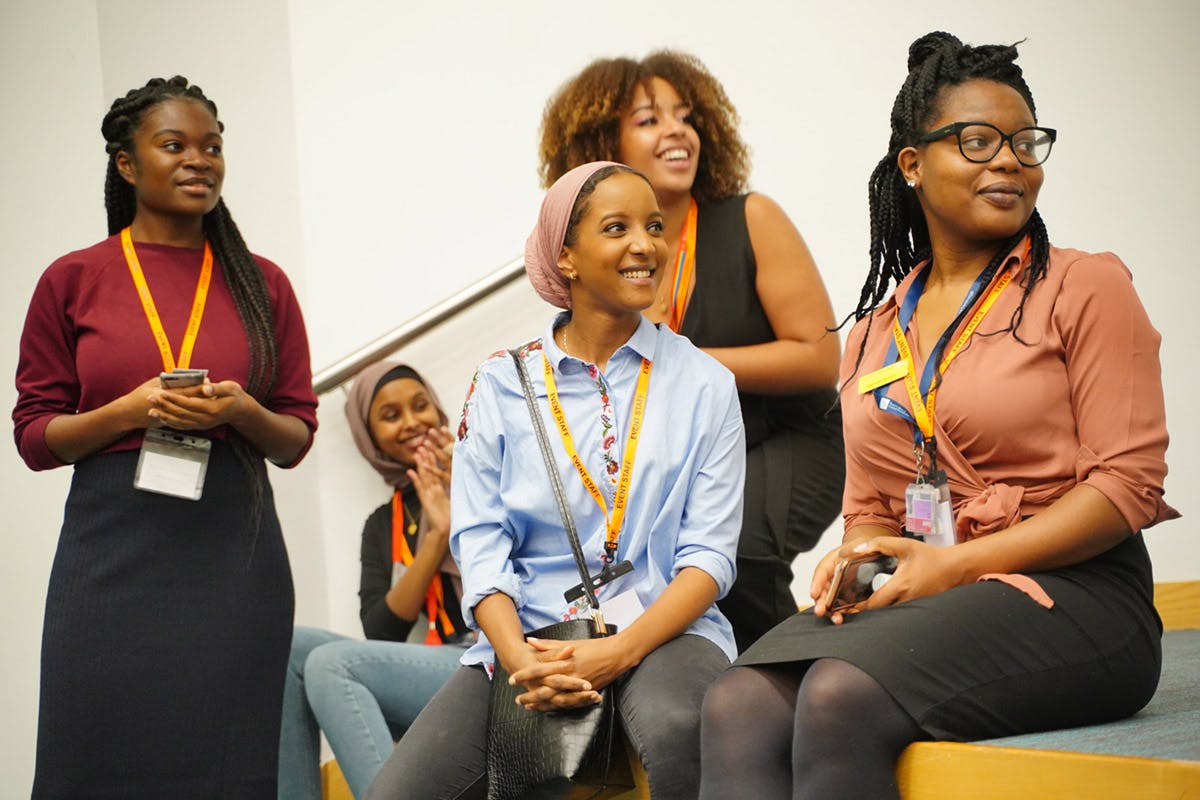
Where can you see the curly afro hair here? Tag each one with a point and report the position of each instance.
(582, 120)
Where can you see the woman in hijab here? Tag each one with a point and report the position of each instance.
(365, 694)
(649, 419)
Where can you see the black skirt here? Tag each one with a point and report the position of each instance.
(985, 660)
(166, 636)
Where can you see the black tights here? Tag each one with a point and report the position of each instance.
(828, 731)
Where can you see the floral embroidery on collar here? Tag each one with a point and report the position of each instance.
(608, 440)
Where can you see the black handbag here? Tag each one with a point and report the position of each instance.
(533, 755)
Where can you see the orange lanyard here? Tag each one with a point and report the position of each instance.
(923, 408)
(617, 518)
(435, 602)
(684, 268)
(143, 290)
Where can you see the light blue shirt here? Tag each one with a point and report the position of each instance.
(685, 499)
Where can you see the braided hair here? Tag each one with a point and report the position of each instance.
(899, 235)
(242, 273)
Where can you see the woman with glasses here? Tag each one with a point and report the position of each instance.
(1005, 441)
(740, 283)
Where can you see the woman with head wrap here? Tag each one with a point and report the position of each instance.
(364, 695)
(740, 283)
(645, 414)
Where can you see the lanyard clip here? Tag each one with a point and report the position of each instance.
(922, 448)
(607, 574)
(598, 623)
(930, 447)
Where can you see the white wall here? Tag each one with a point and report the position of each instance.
(384, 154)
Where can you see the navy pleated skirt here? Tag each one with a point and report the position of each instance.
(985, 660)
(166, 637)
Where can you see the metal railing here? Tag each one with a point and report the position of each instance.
(344, 369)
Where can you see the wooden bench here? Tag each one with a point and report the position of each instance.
(1153, 755)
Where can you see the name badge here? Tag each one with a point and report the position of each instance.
(172, 463)
(928, 511)
(623, 609)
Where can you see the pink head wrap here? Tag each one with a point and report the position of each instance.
(544, 245)
(358, 414)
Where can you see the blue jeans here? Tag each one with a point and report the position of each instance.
(362, 694)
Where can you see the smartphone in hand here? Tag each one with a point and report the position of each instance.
(179, 378)
(856, 578)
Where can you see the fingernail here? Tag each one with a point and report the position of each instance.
(512, 681)
(859, 548)
(587, 687)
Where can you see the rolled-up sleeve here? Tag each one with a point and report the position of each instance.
(1116, 388)
(481, 536)
(712, 518)
(47, 385)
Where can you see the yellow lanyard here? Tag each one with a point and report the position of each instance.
(193, 327)
(615, 520)
(923, 409)
(683, 270)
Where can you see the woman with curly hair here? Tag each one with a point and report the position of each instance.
(740, 283)
(1021, 595)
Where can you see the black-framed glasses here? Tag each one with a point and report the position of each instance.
(981, 141)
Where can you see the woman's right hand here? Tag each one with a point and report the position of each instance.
(543, 674)
(137, 404)
(823, 574)
(71, 437)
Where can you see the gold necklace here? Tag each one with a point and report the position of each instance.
(411, 527)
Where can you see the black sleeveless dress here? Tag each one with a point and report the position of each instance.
(795, 465)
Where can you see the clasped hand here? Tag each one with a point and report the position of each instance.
(558, 675)
(194, 408)
(922, 570)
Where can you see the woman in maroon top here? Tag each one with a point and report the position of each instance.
(169, 610)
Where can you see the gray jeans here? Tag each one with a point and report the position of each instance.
(443, 755)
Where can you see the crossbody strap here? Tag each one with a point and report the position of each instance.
(539, 428)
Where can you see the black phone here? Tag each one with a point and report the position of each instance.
(856, 578)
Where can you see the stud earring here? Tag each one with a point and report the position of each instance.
(911, 183)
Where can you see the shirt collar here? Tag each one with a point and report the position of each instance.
(643, 342)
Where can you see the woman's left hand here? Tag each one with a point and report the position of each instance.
(923, 570)
(200, 408)
(439, 442)
(430, 482)
(597, 661)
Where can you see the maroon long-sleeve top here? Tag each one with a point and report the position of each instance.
(86, 340)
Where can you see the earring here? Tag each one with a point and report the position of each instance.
(911, 183)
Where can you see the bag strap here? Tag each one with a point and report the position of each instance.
(560, 496)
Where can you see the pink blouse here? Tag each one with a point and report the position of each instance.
(1018, 425)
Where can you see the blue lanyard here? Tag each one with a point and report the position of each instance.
(904, 316)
